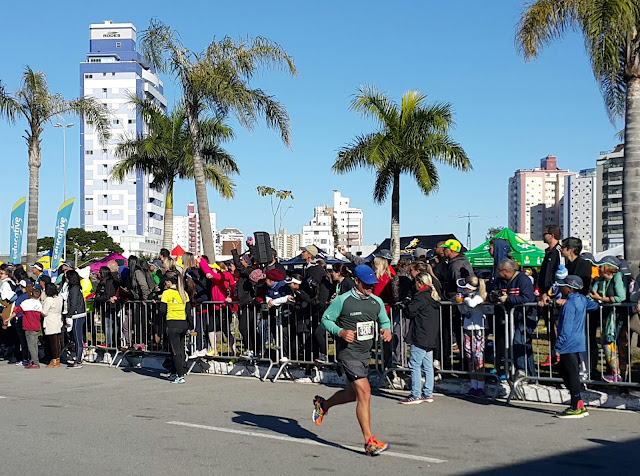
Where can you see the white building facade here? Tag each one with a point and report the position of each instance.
(287, 246)
(348, 221)
(186, 230)
(319, 231)
(609, 223)
(580, 198)
(131, 212)
(536, 199)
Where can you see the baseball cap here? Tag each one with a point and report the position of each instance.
(156, 262)
(23, 283)
(311, 249)
(275, 275)
(611, 260)
(365, 274)
(419, 253)
(431, 254)
(38, 266)
(571, 281)
(588, 257)
(453, 245)
(386, 254)
(624, 267)
(68, 264)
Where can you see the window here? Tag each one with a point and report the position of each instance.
(88, 152)
(131, 121)
(95, 60)
(88, 76)
(116, 121)
(88, 198)
(116, 227)
(118, 45)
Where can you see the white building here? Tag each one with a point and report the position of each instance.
(319, 231)
(131, 211)
(580, 207)
(348, 221)
(229, 239)
(286, 245)
(536, 199)
(186, 230)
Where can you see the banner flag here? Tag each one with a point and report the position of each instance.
(62, 224)
(17, 226)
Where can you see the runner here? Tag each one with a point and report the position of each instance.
(351, 317)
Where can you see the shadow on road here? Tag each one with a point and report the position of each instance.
(610, 457)
(284, 426)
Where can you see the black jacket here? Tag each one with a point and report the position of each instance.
(582, 268)
(424, 313)
(106, 289)
(548, 269)
(457, 268)
(75, 303)
(202, 285)
(316, 284)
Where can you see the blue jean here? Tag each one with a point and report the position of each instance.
(421, 360)
(78, 329)
(108, 329)
(522, 349)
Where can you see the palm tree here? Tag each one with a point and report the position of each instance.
(166, 152)
(412, 138)
(611, 32)
(34, 103)
(217, 80)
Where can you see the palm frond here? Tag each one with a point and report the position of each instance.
(384, 181)
(92, 110)
(371, 103)
(9, 107)
(360, 153)
(220, 181)
(443, 149)
(546, 20)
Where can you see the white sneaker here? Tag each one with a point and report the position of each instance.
(284, 360)
(304, 380)
(201, 353)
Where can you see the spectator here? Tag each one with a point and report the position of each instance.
(175, 309)
(31, 310)
(21, 349)
(341, 279)
(52, 323)
(571, 341)
(301, 302)
(275, 264)
(609, 289)
(317, 286)
(519, 290)
(355, 259)
(77, 313)
(571, 248)
(383, 274)
(473, 295)
(423, 311)
(195, 279)
(245, 296)
(439, 262)
(37, 269)
(277, 294)
(106, 299)
(552, 260)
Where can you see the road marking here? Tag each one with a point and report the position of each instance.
(298, 440)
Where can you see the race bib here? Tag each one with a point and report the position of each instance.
(364, 330)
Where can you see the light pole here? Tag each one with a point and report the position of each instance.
(64, 171)
(64, 157)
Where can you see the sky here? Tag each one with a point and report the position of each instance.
(509, 113)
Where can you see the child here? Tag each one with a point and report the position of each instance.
(31, 310)
(175, 308)
(474, 293)
(424, 331)
(572, 340)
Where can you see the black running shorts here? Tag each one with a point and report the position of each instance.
(354, 369)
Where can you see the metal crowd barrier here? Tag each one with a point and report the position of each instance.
(533, 345)
(449, 358)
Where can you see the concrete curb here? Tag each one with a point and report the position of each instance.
(612, 398)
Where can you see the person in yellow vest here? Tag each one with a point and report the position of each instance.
(175, 308)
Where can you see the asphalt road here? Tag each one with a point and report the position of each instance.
(98, 420)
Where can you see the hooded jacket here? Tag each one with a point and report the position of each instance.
(458, 268)
(424, 313)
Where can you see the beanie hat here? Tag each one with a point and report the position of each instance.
(275, 275)
(256, 275)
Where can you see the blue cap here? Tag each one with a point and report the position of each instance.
(571, 281)
(365, 274)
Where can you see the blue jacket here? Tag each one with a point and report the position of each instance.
(278, 289)
(571, 325)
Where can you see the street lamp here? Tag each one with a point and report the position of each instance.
(64, 157)
(64, 172)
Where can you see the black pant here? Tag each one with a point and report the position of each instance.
(176, 334)
(247, 327)
(570, 373)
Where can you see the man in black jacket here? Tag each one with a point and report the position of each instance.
(316, 285)
(552, 259)
(246, 297)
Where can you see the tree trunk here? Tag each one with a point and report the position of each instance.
(167, 240)
(395, 219)
(201, 184)
(631, 182)
(34, 183)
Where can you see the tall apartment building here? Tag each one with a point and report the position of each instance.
(285, 244)
(319, 231)
(536, 198)
(580, 203)
(131, 212)
(348, 221)
(229, 239)
(609, 220)
(186, 230)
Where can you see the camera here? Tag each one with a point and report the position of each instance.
(495, 295)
